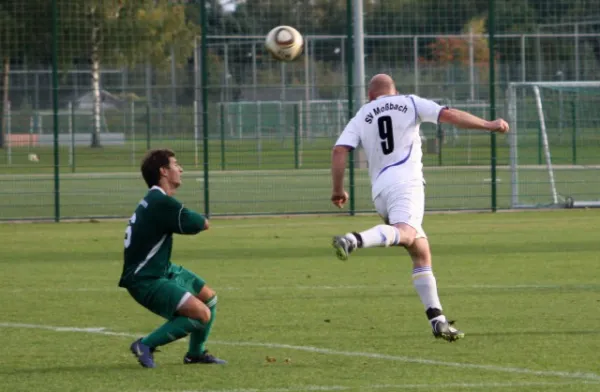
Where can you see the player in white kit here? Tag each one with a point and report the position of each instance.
(387, 127)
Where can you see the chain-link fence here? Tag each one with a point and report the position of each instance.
(89, 85)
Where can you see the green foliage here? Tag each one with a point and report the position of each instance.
(127, 32)
(158, 27)
(411, 17)
(25, 29)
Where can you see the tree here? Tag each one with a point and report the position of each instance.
(455, 50)
(6, 22)
(25, 33)
(308, 16)
(123, 33)
(12, 34)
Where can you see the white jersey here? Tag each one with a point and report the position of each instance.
(388, 129)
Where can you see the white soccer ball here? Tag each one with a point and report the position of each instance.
(285, 43)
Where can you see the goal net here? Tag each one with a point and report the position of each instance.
(554, 143)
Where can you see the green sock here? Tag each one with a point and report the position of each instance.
(172, 330)
(199, 337)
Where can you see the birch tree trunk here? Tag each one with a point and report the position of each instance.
(5, 87)
(97, 110)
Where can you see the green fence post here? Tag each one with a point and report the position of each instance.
(222, 121)
(204, 86)
(8, 133)
(574, 135)
(350, 82)
(2, 141)
(296, 136)
(55, 109)
(492, 50)
(133, 162)
(148, 126)
(72, 114)
(439, 141)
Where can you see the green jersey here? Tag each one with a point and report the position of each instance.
(149, 235)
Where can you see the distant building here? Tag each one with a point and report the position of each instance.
(109, 101)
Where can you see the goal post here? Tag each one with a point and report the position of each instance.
(554, 129)
(544, 134)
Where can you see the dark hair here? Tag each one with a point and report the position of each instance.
(153, 162)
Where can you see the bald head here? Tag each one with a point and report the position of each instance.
(381, 84)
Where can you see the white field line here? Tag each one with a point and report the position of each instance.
(286, 173)
(278, 220)
(356, 354)
(333, 220)
(430, 387)
(407, 287)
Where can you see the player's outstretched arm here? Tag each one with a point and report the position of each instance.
(181, 220)
(465, 120)
(190, 222)
(339, 156)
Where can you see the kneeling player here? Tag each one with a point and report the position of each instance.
(153, 281)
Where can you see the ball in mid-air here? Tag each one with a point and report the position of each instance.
(285, 43)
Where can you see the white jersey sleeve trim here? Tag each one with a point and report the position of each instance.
(426, 110)
(416, 111)
(179, 219)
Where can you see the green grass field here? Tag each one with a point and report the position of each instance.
(521, 285)
(273, 152)
(106, 181)
(277, 191)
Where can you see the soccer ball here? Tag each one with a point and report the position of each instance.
(284, 43)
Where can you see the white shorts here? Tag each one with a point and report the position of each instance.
(403, 203)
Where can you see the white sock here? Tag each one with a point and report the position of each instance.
(380, 235)
(426, 286)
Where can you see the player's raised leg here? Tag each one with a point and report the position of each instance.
(403, 203)
(426, 286)
(378, 236)
(197, 352)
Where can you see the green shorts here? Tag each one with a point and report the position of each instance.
(164, 295)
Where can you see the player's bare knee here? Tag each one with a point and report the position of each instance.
(204, 314)
(206, 294)
(409, 241)
(201, 312)
(408, 234)
(195, 309)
